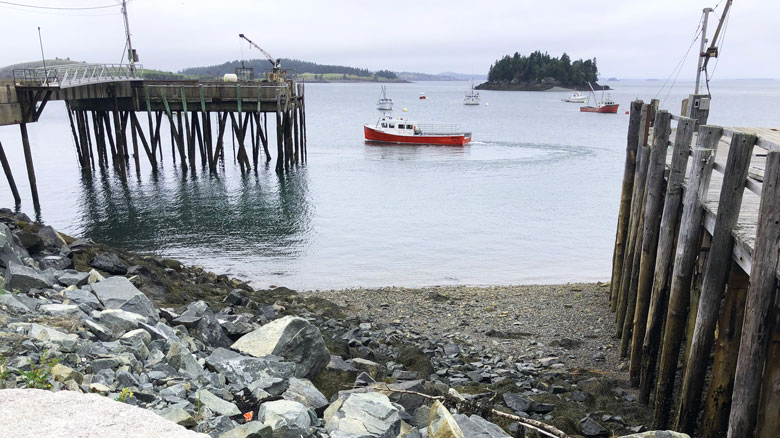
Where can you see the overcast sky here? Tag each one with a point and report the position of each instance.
(630, 38)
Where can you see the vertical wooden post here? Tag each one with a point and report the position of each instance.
(9, 176)
(73, 131)
(100, 141)
(688, 243)
(295, 134)
(157, 141)
(761, 294)
(207, 138)
(134, 135)
(264, 138)
(632, 142)
(279, 135)
(187, 132)
(652, 220)
(715, 276)
(664, 258)
(636, 212)
(28, 159)
(769, 404)
(718, 402)
(107, 125)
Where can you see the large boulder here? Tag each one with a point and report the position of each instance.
(291, 337)
(288, 419)
(253, 429)
(362, 415)
(442, 424)
(119, 293)
(71, 414)
(110, 263)
(657, 434)
(303, 391)
(243, 370)
(23, 278)
(11, 250)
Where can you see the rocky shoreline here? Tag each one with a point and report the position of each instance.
(537, 86)
(215, 356)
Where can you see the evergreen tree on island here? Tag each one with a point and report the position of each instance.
(540, 71)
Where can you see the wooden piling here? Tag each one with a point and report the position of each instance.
(718, 402)
(753, 348)
(652, 218)
(636, 212)
(769, 404)
(9, 176)
(632, 143)
(659, 295)
(688, 244)
(30, 168)
(715, 276)
(76, 141)
(279, 135)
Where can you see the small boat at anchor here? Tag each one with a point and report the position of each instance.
(606, 106)
(401, 131)
(384, 103)
(472, 96)
(423, 96)
(576, 97)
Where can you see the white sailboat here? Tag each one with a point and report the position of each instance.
(384, 103)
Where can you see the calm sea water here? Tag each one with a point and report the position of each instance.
(533, 199)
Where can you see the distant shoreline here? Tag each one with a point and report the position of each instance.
(508, 86)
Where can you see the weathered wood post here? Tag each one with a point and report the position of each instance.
(9, 176)
(279, 135)
(715, 276)
(636, 212)
(28, 159)
(664, 259)
(634, 329)
(769, 404)
(688, 243)
(760, 305)
(718, 402)
(632, 142)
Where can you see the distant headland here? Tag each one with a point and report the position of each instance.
(540, 72)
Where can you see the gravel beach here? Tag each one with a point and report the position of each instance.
(519, 321)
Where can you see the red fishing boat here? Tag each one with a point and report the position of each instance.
(401, 131)
(602, 106)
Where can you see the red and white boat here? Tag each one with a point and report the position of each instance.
(401, 131)
(602, 106)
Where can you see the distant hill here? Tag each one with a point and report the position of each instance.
(300, 67)
(539, 71)
(8, 70)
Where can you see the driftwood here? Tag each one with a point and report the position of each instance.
(453, 399)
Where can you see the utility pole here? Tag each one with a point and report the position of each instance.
(130, 51)
(702, 50)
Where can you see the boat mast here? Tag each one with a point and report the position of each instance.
(702, 53)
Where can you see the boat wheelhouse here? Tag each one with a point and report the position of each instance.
(401, 131)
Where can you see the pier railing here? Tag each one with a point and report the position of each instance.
(670, 278)
(72, 75)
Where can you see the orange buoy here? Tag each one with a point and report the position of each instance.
(626, 112)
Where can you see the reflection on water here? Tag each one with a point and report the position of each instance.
(259, 213)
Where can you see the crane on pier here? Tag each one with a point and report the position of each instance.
(277, 74)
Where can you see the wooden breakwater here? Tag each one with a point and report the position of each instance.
(695, 273)
(117, 119)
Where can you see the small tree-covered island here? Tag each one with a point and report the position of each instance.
(540, 71)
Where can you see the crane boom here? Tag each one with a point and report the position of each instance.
(275, 62)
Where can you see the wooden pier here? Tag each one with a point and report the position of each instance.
(695, 272)
(116, 120)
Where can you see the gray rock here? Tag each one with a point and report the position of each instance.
(292, 338)
(410, 402)
(243, 370)
(253, 429)
(657, 434)
(517, 402)
(109, 262)
(270, 385)
(193, 314)
(216, 404)
(81, 296)
(61, 310)
(288, 419)
(304, 392)
(12, 305)
(590, 427)
(120, 321)
(236, 324)
(119, 293)
(102, 332)
(23, 278)
(50, 238)
(477, 427)
(137, 335)
(180, 358)
(211, 332)
(57, 262)
(141, 305)
(43, 333)
(362, 415)
(178, 416)
(11, 250)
